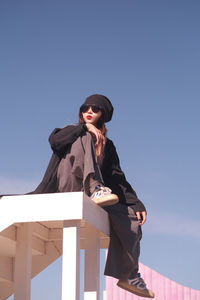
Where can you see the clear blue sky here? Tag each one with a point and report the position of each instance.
(145, 56)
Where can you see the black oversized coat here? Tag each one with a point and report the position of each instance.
(61, 141)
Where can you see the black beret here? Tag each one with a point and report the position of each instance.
(103, 102)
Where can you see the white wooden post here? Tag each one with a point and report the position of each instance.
(92, 257)
(23, 262)
(71, 261)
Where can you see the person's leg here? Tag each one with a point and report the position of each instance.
(124, 250)
(79, 171)
(91, 174)
(79, 165)
(124, 247)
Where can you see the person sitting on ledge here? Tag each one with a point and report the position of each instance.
(85, 159)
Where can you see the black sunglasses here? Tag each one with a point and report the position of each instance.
(94, 108)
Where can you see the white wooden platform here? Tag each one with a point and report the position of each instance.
(36, 229)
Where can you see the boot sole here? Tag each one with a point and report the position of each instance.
(107, 200)
(130, 288)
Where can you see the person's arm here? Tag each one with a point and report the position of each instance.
(96, 133)
(121, 186)
(61, 138)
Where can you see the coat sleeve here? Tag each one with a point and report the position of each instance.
(120, 185)
(60, 139)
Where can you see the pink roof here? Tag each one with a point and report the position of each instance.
(164, 288)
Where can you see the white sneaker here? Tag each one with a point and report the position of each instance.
(103, 196)
(136, 286)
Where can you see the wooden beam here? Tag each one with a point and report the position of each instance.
(92, 265)
(40, 231)
(23, 263)
(9, 233)
(38, 246)
(85, 235)
(6, 290)
(55, 234)
(71, 261)
(8, 244)
(6, 269)
(40, 262)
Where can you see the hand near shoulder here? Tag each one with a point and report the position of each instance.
(142, 217)
(95, 132)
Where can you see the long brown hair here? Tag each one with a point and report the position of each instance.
(101, 126)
